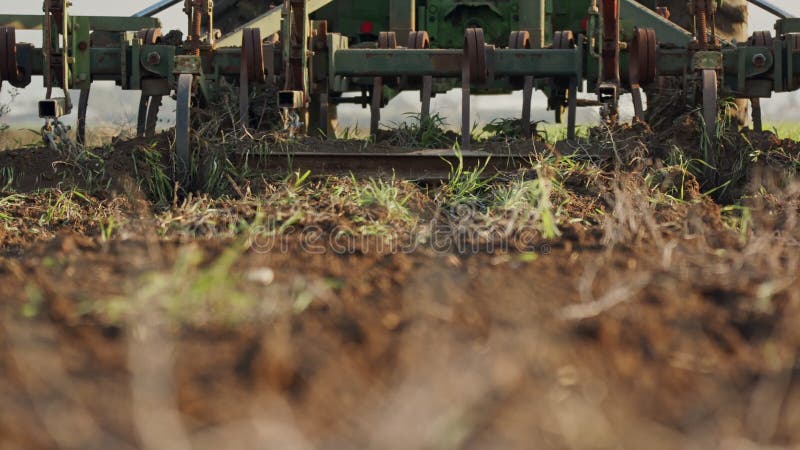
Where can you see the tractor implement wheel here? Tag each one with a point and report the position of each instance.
(386, 40)
(710, 111)
(9, 67)
(710, 101)
(183, 122)
(522, 40)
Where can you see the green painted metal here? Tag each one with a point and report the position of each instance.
(269, 23)
(447, 63)
(96, 23)
(402, 19)
(533, 19)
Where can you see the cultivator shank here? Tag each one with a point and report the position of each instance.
(559, 49)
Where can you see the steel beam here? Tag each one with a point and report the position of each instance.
(634, 14)
(448, 63)
(269, 23)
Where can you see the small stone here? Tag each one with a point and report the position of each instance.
(391, 321)
(264, 276)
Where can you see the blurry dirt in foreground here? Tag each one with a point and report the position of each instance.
(649, 322)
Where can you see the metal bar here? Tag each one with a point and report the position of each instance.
(97, 23)
(447, 63)
(772, 9)
(539, 63)
(420, 165)
(157, 8)
(269, 23)
(641, 16)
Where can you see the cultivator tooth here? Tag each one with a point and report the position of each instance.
(83, 105)
(386, 40)
(522, 40)
(755, 104)
(183, 122)
(419, 40)
(474, 71)
(252, 70)
(565, 40)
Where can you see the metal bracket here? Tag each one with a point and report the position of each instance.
(706, 60)
(188, 64)
(53, 108)
(291, 99)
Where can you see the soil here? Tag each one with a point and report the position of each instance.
(655, 326)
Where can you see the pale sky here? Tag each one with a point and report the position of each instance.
(110, 106)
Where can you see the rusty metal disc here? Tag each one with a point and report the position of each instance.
(9, 70)
(710, 101)
(386, 40)
(151, 36)
(642, 66)
(419, 40)
(564, 40)
(475, 47)
(761, 39)
(522, 40)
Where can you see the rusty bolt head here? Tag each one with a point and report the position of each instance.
(82, 46)
(153, 58)
(759, 60)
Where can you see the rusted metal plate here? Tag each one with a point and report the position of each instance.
(415, 165)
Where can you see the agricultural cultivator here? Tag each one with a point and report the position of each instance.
(318, 54)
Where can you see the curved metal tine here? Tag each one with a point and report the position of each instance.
(527, 100)
(758, 124)
(244, 96)
(152, 115)
(141, 119)
(83, 105)
(638, 103)
(183, 125)
(466, 139)
(426, 94)
(572, 108)
(375, 107)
